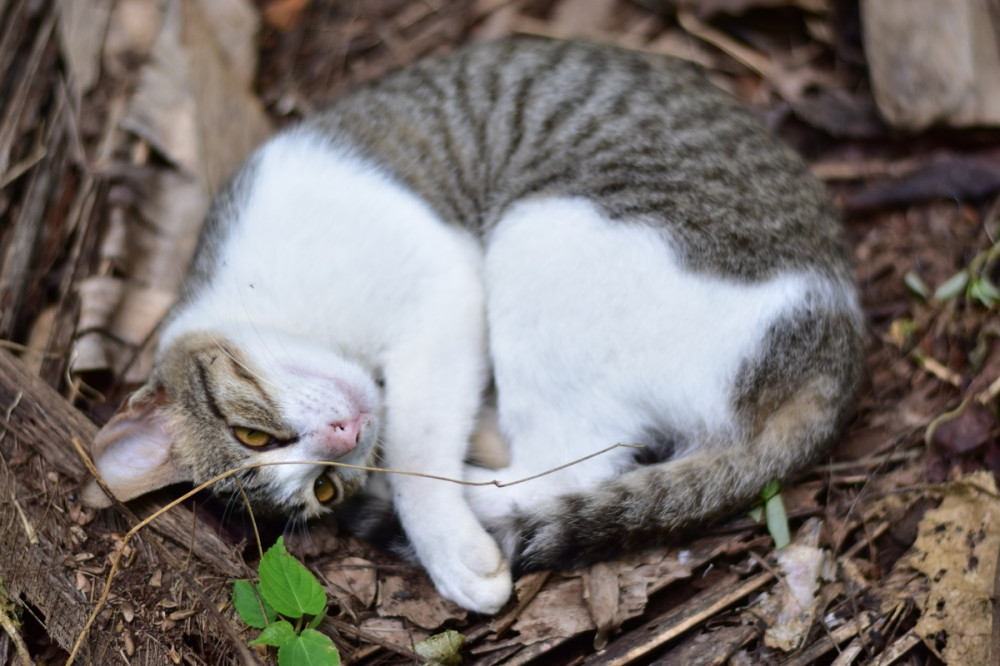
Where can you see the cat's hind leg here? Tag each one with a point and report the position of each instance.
(791, 401)
(609, 338)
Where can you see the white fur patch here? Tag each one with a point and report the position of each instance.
(598, 335)
(333, 253)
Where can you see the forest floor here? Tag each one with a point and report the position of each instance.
(895, 538)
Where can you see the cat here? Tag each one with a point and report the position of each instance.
(612, 243)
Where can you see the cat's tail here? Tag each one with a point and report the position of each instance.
(645, 505)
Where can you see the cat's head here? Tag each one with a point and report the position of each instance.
(214, 404)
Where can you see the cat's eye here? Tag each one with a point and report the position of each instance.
(252, 437)
(327, 489)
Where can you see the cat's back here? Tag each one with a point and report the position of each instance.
(645, 138)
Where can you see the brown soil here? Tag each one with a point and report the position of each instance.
(918, 209)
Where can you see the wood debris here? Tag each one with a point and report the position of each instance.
(117, 125)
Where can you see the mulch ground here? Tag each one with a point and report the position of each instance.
(923, 218)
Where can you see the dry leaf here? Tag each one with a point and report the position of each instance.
(581, 18)
(132, 31)
(443, 648)
(194, 105)
(415, 599)
(795, 599)
(82, 24)
(124, 312)
(954, 177)
(355, 576)
(969, 429)
(558, 611)
(956, 549)
(394, 630)
(933, 61)
(600, 590)
(679, 44)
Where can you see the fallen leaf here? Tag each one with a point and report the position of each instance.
(394, 630)
(132, 31)
(581, 18)
(125, 312)
(415, 599)
(557, 611)
(959, 177)
(82, 24)
(195, 102)
(442, 648)
(969, 429)
(601, 591)
(618, 590)
(803, 566)
(956, 550)
(933, 61)
(355, 576)
(195, 106)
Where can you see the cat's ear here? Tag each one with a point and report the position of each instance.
(134, 451)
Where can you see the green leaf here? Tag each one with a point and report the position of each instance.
(253, 609)
(310, 648)
(287, 585)
(916, 285)
(984, 291)
(953, 286)
(276, 634)
(442, 648)
(777, 521)
(770, 490)
(989, 290)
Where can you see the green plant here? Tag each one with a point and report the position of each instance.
(773, 511)
(974, 281)
(287, 593)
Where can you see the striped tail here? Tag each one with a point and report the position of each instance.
(643, 506)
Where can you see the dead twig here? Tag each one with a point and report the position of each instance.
(140, 524)
(675, 622)
(995, 626)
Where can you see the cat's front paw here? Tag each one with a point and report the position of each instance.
(473, 573)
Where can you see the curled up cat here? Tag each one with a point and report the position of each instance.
(615, 245)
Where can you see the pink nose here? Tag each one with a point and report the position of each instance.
(341, 437)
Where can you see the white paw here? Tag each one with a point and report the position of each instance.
(468, 568)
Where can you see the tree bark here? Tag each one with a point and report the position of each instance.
(47, 554)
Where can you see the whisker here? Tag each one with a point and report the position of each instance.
(289, 528)
(230, 507)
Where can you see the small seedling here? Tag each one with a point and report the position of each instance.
(773, 511)
(975, 281)
(287, 593)
(916, 284)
